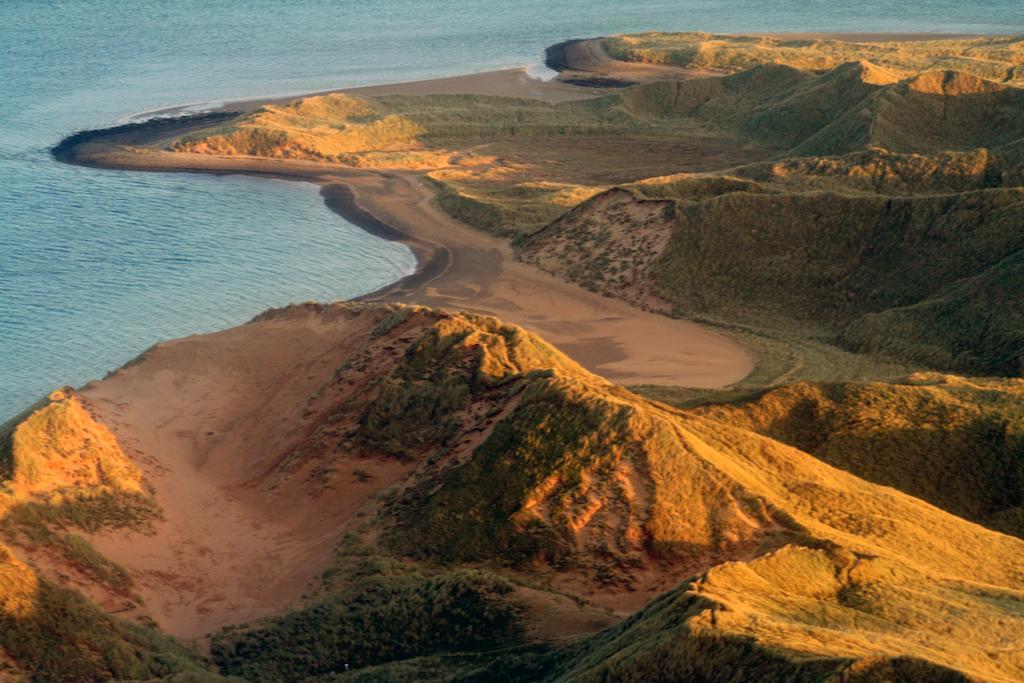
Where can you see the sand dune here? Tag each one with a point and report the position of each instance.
(203, 418)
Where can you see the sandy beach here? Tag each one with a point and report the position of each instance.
(461, 267)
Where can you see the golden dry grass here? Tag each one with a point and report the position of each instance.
(954, 442)
(62, 446)
(522, 459)
(997, 58)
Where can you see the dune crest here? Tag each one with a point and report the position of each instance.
(400, 443)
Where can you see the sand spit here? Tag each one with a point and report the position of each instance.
(461, 267)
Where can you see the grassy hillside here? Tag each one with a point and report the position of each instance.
(377, 619)
(914, 278)
(878, 171)
(971, 325)
(767, 619)
(526, 474)
(851, 578)
(954, 442)
(996, 58)
(832, 257)
(802, 570)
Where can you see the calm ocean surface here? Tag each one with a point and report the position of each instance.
(95, 266)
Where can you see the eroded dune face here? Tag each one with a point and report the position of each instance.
(329, 458)
(208, 419)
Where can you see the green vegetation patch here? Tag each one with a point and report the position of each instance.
(59, 635)
(550, 436)
(378, 619)
(45, 523)
(419, 404)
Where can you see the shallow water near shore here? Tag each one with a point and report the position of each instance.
(95, 266)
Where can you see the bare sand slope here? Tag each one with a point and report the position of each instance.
(466, 269)
(206, 417)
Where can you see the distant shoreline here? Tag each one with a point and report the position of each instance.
(458, 266)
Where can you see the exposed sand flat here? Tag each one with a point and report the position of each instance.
(464, 268)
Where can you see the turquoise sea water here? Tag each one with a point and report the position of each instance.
(97, 265)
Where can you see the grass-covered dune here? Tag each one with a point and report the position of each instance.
(65, 476)
(955, 442)
(571, 472)
(524, 473)
(879, 171)
(928, 279)
(994, 58)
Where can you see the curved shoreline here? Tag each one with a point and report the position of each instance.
(458, 267)
(431, 260)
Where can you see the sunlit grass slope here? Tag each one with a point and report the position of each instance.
(954, 442)
(996, 58)
(527, 468)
